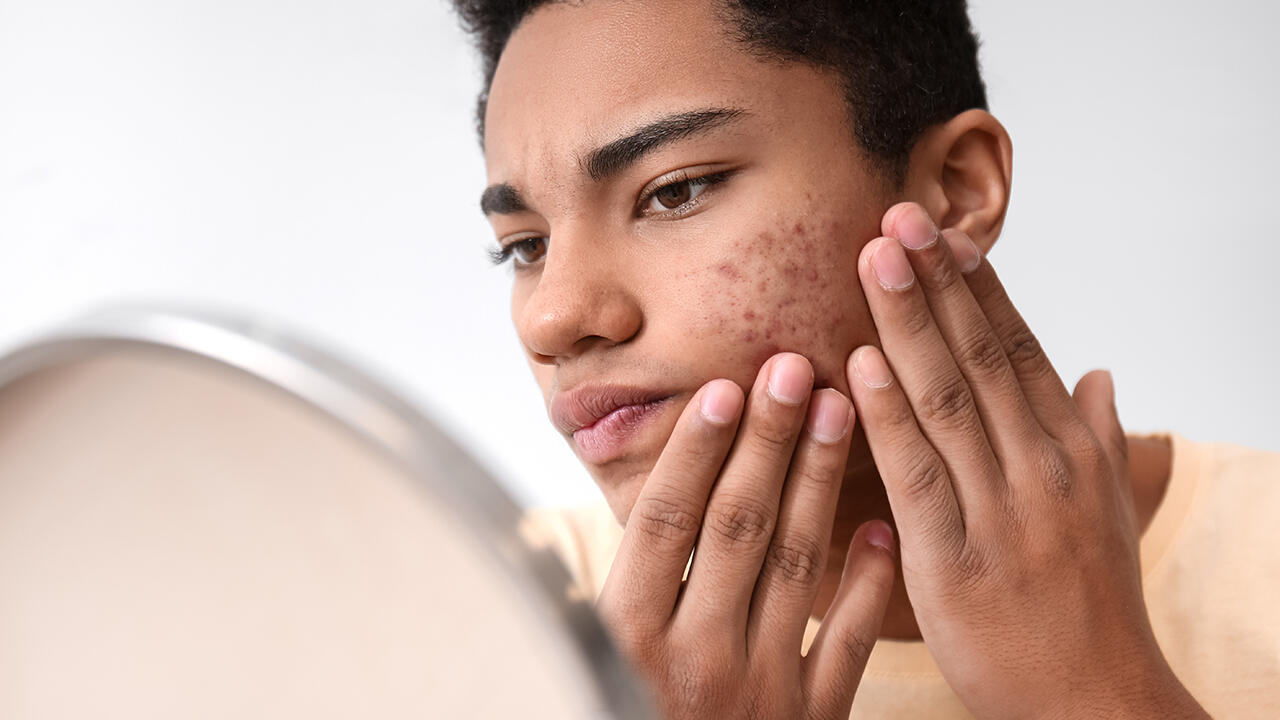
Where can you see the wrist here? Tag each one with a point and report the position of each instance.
(1154, 693)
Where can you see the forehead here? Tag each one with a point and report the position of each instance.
(574, 75)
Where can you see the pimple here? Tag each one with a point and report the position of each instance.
(749, 315)
(729, 271)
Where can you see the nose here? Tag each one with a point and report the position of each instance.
(581, 301)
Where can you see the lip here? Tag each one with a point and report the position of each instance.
(603, 419)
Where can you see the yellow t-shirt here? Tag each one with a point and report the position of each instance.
(1211, 575)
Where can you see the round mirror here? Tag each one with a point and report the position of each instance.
(203, 519)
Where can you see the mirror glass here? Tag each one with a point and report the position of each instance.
(181, 538)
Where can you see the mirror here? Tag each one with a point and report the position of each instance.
(204, 519)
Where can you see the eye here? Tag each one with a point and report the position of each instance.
(527, 251)
(677, 196)
(674, 195)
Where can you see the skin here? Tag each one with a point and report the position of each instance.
(782, 494)
(767, 263)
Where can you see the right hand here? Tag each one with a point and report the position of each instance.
(758, 502)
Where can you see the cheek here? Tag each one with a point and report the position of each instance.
(794, 287)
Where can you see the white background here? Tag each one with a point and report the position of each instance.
(316, 162)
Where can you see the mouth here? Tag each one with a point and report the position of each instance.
(603, 420)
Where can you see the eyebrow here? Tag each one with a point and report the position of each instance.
(620, 154)
(616, 156)
(502, 199)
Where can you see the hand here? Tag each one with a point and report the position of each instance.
(1012, 498)
(759, 503)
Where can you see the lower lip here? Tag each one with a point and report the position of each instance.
(608, 437)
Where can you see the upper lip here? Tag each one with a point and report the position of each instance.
(583, 406)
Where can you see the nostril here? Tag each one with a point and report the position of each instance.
(538, 358)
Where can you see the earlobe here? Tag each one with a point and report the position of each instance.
(961, 171)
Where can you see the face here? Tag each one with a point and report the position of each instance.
(677, 210)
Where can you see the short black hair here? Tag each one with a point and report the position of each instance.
(906, 65)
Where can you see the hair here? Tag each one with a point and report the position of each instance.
(905, 65)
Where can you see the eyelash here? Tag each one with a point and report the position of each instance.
(682, 177)
(500, 255)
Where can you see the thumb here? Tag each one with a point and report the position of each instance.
(1095, 395)
(834, 665)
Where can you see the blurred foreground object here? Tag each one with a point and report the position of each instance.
(203, 519)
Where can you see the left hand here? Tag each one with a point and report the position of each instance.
(1012, 498)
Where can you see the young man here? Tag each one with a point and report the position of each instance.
(724, 220)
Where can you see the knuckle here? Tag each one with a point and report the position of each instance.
(773, 437)
(855, 646)
(941, 275)
(663, 520)
(947, 403)
(1055, 474)
(740, 521)
(984, 354)
(915, 321)
(796, 560)
(1093, 458)
(922, 475)
(821, 467)
(1023, 349)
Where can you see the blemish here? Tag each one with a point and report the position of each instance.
(729, 271)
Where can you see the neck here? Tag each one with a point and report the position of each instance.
(863, 498)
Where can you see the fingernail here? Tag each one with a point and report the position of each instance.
(829, 416)
(720, 402)
(967, 254)
(879, 534)
(890, 265)
(916, 230)
(790, 379)
(871, 369)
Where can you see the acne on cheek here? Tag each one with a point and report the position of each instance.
(786, 288)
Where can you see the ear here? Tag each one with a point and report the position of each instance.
(961, 172)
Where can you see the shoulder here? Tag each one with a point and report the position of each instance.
(1211, 576)
(1228, 479)
(1227, 491)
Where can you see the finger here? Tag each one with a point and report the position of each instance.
(1096, 398)
(833, 668)
(743, 509)
(1095, 395)
(1046, 395)
(1006, 417)
(922, 363)
(644, 581)
(921, 494)
(797, 557)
